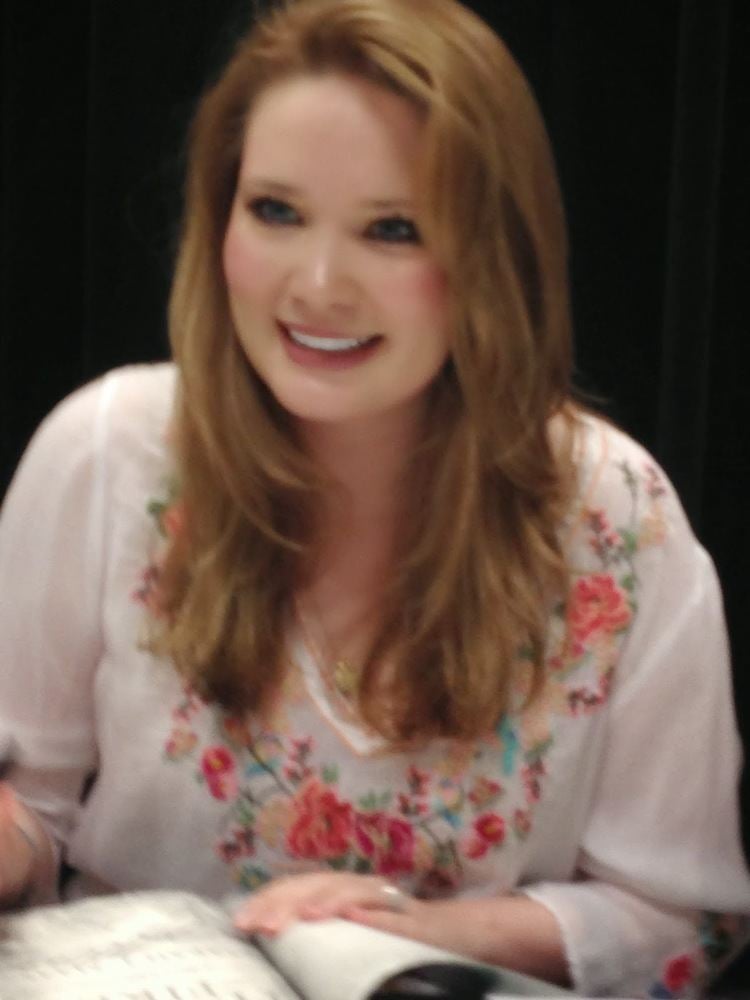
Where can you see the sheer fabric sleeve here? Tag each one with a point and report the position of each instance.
(661, 845)
(52, 548)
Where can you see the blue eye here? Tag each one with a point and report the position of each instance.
(394, 230)
(274, 212)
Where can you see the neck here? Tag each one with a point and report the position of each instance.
(365, 462)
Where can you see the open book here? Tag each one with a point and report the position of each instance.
(177, 946)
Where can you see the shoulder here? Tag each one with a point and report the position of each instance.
(124, 402)
(141, 392)
(120, 414)
(621, 483)
(627, 525)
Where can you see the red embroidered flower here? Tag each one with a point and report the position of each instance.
(488, 831)
(679, 972)
(597, 607)
(490, 827)
(220, 772)
(322, 826)
(387, 841)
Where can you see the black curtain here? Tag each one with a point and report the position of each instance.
(647, 104)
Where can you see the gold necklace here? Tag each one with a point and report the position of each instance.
(340, 673)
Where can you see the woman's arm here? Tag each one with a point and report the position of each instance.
(28, 865)
(511, 931)
(50, 637)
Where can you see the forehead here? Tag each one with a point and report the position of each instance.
(335, 129)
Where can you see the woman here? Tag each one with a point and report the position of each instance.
(353, 607)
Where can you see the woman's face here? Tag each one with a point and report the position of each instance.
(337, 304)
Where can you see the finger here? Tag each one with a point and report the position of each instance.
(313, 896)
(335, 897)
(402, 924)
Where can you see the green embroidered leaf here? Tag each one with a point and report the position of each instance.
(339, 864)
(629, 476)
(362, 866)
(245, 814)
(330, 774)
(253, 878)
(444, 855)
(369, 802)
(629, 541)
(538, 751)
(628, 582)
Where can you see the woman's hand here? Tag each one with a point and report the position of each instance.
(317, 896)
(17, 853)
(513, 931)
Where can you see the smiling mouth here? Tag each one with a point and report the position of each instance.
(327, 344)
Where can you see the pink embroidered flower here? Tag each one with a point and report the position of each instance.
(322, 826)
(220, 772)
(411, 807)
(484, 791)
(297, 770)
(488, 831)
(653, 530)
(386, 841)
(180, 743)
(654, 482)
(522, 823)
(531, 775)
(238, 843)
(173, 519)
(679, 972)
(597, 607)
(418, 780)
(273, 820)
(147, 592)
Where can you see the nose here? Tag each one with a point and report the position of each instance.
(322, 278)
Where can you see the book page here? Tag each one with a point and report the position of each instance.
(341, 960)
(142, 946)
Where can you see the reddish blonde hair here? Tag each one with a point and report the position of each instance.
(467, 609)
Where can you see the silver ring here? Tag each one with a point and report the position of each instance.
(395, 900)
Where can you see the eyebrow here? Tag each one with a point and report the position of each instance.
(290, 191)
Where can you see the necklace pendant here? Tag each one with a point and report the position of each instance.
(345, 677)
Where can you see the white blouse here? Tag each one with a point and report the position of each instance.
(611, 800)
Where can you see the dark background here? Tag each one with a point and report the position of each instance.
(648, 104)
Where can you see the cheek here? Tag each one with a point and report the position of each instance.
(248, 271)
(420, 294)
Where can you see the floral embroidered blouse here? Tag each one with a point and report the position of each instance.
(611, 800)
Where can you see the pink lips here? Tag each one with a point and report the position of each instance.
(310, 357)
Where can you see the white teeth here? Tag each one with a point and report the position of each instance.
(326, 343)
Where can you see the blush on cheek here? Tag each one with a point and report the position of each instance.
(246, 269)
(419, 291)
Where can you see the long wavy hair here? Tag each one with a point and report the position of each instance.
(480, 562)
